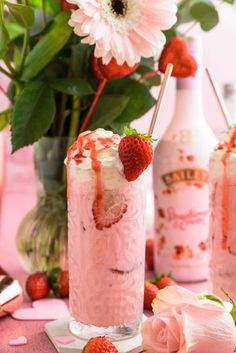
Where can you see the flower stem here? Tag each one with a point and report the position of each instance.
(24, 50)
(25, 45)
(75, 117)
(10, 68)
(3, 91)
(1, 9)
(62, 114)
(149, 75)
(190, 28)
(93, 105)
(6, 73)
(44, 18)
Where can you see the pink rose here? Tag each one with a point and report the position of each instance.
(184, 324)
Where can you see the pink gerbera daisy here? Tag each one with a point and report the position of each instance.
(124, 29)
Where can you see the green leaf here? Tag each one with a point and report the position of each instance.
(183, 14)
(108, 108)
(171, 33)
(140, 102)
(205, 13)
(45, 50)
(151, 81)
(4, 39)
(5, 118)
(117, 128)
(52, 6)
(72, 85)
(33, 114)
(23, 14)
(150, 62)
(14, 30)
(11, 90)
(80, 59)
(231, 2)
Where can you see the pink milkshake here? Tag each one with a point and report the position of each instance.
(223, 216)
(106, 239)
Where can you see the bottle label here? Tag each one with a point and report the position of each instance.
(181, 213)
(198, 176)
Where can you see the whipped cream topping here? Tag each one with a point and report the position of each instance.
(96, 146)
(224, 156)
(96, 151)
(228, 141)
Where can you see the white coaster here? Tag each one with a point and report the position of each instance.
(61, 328)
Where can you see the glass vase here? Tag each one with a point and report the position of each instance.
(42, 235)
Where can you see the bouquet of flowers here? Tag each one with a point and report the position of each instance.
(62, 58)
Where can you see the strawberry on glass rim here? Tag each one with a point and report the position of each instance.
(135, 152)
(37, 286)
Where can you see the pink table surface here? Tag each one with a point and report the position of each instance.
(15, 206)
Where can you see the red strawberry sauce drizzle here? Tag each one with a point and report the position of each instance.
(86, 142)
(227, 145)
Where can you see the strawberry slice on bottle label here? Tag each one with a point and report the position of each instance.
(108, 209)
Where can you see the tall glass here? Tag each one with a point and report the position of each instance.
(2, 174)
(106, 241)
(2, 167)
(222, 218)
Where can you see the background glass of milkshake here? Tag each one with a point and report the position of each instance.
(106, 239)
(223, 216)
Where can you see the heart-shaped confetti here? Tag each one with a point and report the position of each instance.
(43, 309)
(176, 52)
(65, 339)
(19, 341)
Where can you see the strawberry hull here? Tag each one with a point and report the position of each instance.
(106, 251)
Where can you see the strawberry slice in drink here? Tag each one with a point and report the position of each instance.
(108, 209)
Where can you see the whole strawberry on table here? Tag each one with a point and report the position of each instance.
(99, 345)
(152, 287)
(39, 284)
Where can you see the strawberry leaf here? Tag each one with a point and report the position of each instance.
(53, 279)
(157, 278)
(134, 132)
